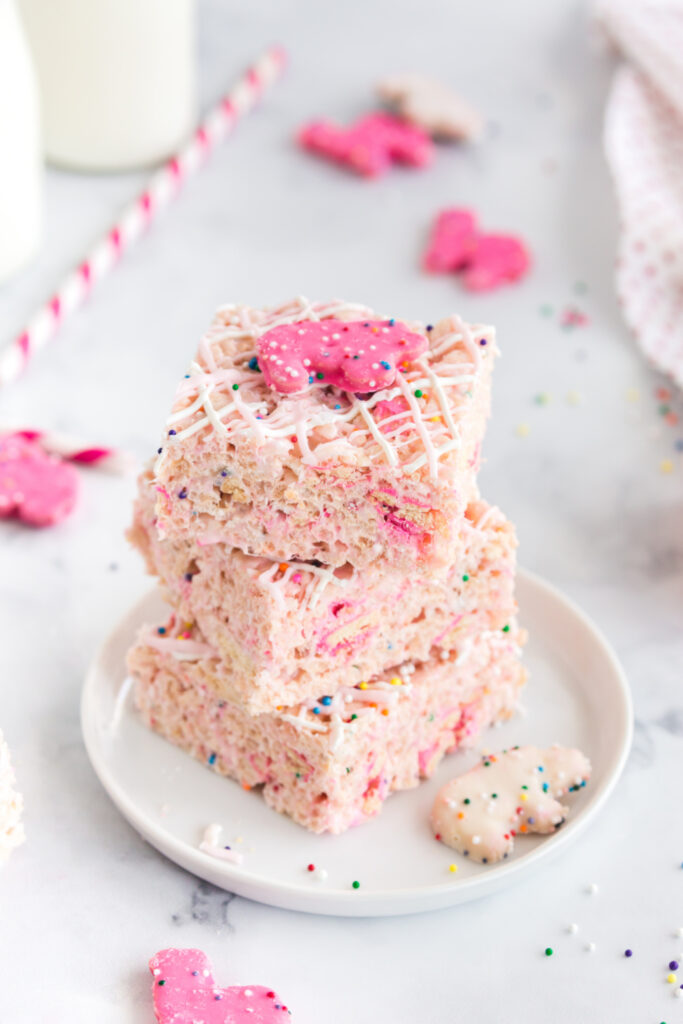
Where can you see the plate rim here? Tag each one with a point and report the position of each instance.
(385, 902)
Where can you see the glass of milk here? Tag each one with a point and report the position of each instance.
(117, 79)
(21, 162)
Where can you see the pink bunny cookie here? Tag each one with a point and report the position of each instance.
(185, 993)
(359, 356)
(432, 106)
(36, 487)
(516, 791)
(371, 145)
(453, 241)
(496, 260)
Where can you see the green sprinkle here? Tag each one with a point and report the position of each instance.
(486, 764)
(162, 982)
(355, 885)
(494, 796)
(235, 387)
(506, 629)
(348, 771)
(466, 800)
(319, 375)
(354, 717)
(525, 787)
(431, 718)
(419, 393)
(298, 775)
(465, 578)
(549, 951)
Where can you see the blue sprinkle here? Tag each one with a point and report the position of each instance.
(159, 451)
(392, 322)
(530, 821)
(326, 701)
(161, 630)
(583, 783)
(183, 493)
(429, 327)
(337, 406)
(195, 973)
(310, 379)
(316, 711)
(385, 364)
(366, 324)
(224, 472)
(212, 758)
(171, 433)
(217, 998)
(253, 364)
(188, 577)
(545, 787)
(482, 341)
(540, 768)
(187, 376)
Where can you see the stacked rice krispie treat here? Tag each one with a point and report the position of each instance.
(342, 609)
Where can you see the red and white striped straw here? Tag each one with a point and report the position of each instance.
(161, 189)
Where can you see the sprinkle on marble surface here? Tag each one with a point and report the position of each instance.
(666, 466)
(549, 951)
(574, 398)
(522, 430)
(592, 889)
(590, 947)
(572, 928)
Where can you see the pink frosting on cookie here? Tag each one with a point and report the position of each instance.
(359, 356)
(371, 145)
(497, 259)
(452, 242)
(36, 487)
(185, 993)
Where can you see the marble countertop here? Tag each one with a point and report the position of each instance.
(85, 902)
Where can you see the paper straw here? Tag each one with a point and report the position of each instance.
(162, 187)
(73, 449)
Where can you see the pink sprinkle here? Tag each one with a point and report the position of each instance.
(228, 106)
(115, 238)
(24, 343)
(173, 166)
(201, 137)
(89, 455)
(56, 306)
(85, 271)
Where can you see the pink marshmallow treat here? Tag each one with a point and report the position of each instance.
(37, 488)
(331, 764)
(496, 260)
(289, 631)
(185, 993)
(371, 145)
(452, 242)
(359, 356)
(327, 474)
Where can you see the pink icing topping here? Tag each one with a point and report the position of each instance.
(371, 145)
(185, 993)
(497, 259)
(359, 356)
(452, 242)
(36, 487)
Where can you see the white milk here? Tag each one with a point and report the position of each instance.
(117, 78)
(21, 168)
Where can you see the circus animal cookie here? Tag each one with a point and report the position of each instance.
(496, 260)
(358, 356)
(452, 242)
(431, 106)
(371, 145)
(36, 487)
(517, 791)
(11, 806)
(486, 260)
(185, 993)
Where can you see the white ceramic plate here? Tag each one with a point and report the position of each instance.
(577, 696)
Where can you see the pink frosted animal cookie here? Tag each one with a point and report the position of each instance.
(452, 242)
(429, 104)
(185, 993)
(496, 260)
(371, 145)
(36, 487)
(516, 791)
(358, 355)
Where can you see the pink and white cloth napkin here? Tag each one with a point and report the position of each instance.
(644, 148)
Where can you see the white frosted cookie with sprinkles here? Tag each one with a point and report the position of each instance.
(320, 431)
(11, 806)
(516, 791)
(330, 763)
(288, 631)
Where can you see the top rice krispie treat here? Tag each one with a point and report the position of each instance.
(321, 431)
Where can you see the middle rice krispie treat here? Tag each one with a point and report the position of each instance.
(287, 631)
(321, 431)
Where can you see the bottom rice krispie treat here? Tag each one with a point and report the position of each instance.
(330, 763)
